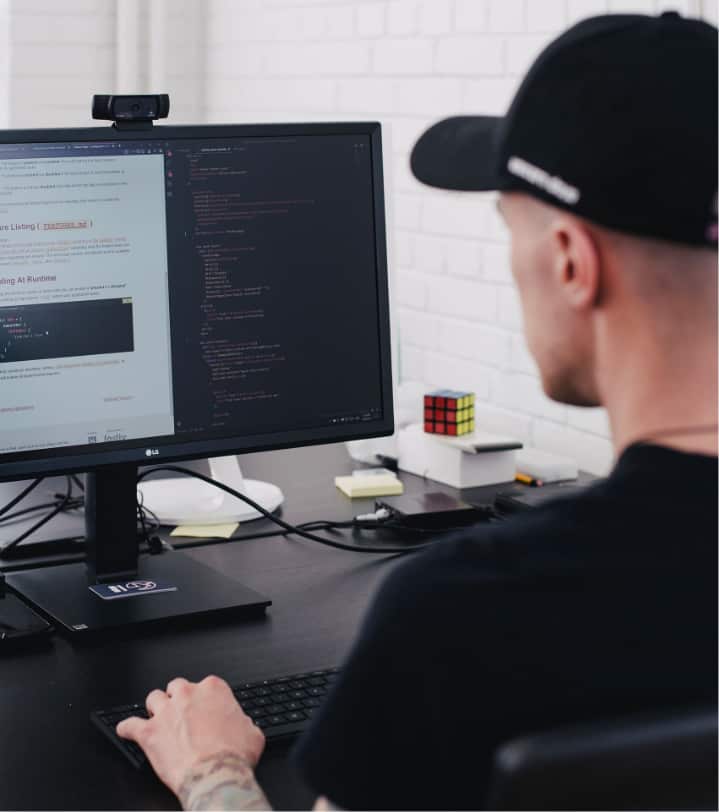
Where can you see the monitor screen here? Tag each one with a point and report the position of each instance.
(189, 291)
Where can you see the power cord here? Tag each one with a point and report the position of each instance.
(17, 515)
(64, 502)
(61, 505)
(290, 528)
(11, 504)
(381, 518)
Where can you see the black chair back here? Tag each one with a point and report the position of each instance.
(644, 762)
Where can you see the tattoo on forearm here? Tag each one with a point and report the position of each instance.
(222, 782)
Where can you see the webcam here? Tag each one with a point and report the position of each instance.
(141, 109)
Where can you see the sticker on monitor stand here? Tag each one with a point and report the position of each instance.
(131, 589)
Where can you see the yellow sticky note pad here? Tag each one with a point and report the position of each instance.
(205, 531)
(375, 485)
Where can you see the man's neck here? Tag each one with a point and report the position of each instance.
(656, 392)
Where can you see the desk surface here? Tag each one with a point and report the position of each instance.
(51, 756)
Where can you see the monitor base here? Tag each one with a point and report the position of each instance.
(63, 595)
(183, 501)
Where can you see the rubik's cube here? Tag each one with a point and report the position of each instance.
(448, 412)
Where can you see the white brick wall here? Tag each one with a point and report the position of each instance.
(404, 62)
(64, 51)
(4, 63)
(458, 312)
(61, 54)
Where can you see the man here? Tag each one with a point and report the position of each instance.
(592, 607)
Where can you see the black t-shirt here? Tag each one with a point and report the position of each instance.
(590, 607)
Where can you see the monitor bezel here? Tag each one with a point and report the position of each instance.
(57, 462)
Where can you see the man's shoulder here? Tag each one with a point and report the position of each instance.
(543, 542)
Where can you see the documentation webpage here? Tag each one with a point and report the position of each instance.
(187, 289)
(84, 314)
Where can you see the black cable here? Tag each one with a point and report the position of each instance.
(67, 502)
(45, 519)
(290, 528)
(157, 524)
(74, 504)
(11, 504)
(63, 501)
(141, 519)
(394, 524)
(154, 543)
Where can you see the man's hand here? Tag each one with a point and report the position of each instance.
(192, 722)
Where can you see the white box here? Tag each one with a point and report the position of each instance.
(547, 467)
(459, 462)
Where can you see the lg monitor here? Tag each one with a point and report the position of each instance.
(172, 293)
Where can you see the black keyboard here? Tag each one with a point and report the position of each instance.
(281, 707)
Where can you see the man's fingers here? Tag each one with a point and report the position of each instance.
(215, 683)
(131, 728)
(155, 701)
(177, 686)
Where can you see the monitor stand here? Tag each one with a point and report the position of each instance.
(181, 501)
(116, 587)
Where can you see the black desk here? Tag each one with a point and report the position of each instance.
(51, 757)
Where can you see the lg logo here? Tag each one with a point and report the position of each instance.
(152, 452)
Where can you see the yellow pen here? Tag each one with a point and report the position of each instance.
(528, 480)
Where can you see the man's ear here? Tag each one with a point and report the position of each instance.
(577, 263)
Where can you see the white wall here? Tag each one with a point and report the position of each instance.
(4, 63)
(404, 62)
(408, 62)
(64, 51)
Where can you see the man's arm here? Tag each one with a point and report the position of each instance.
(203, 746)
(227, 782)
(222, 781)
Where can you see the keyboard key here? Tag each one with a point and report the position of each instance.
(287, 729)
(278, 719)
(311, 702)
(317, 691)
(272, 710)
(300, 694)
(295, 716)
(316, 681)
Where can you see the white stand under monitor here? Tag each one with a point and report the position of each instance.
(186, 500)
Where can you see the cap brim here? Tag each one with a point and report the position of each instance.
(459, 153)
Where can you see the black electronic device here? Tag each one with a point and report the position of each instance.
(431, 511)
(282, 707)
(189, 303)
(147, 107)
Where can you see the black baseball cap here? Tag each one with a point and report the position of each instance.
(616, 121)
